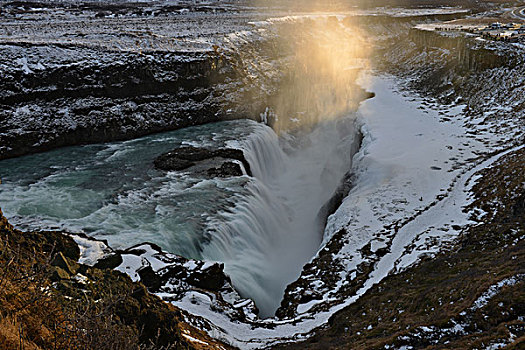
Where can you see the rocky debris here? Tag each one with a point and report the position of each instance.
(176, 278)
(171, 269)
(63, 267)
(204, 160)
(325, 272)
(66, 264)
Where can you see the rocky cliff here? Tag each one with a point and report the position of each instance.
(104, 96)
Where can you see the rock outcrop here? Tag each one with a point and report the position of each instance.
(113, 98)
(60, 303)
(209, 162)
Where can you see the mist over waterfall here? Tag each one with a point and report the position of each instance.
(298, 163)
(270, 234)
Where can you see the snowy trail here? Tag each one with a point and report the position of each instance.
(444, 213)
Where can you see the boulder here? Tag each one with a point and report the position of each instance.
(227, 169)
(66, 264)
(4, 224)
(109, 262)
(212, 278)
(149, 278)
(182, 158)
(58, 274)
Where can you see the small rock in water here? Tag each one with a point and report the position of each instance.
(204, 161)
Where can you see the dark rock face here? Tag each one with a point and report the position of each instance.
(227, 169)
(346, 183)
(182, 158)
(210, 162)
(109, 262)
(66, 264)
(149, 278)
(212, 278)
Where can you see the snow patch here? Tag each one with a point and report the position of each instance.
(90, 250)
(493, 290)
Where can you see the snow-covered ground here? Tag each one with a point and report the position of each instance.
(414, 172)
(412, 161)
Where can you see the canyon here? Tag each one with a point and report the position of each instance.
(336, 169)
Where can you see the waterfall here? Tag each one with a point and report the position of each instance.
(266, 238)
(264, 228)
(263, 153)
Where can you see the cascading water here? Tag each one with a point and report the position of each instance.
(266, 239)
(263, 228)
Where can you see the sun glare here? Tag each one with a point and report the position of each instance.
(327, 52)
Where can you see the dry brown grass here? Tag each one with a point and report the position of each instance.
(34, 315)
(31, 315)
(11, 336)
